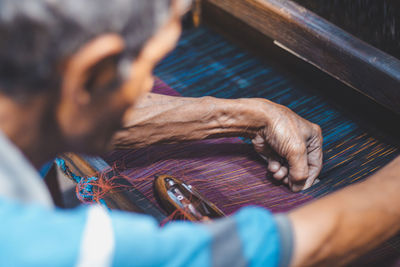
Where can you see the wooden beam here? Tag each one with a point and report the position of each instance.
(126, 198)
(317, 41)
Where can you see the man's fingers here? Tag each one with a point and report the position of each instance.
(298, 168)
(302, 154)
(296, 187)
(282, 173)
(298, 165)
(313, 174)
(314, 161)
(268, 154)
(307, 170)
(274, 166)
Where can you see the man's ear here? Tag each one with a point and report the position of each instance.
(78, 67)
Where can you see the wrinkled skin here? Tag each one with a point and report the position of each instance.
(292, 147)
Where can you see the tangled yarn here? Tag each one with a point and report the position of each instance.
(86, 186)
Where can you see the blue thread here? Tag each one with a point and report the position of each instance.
(84, 184)
(204, 63)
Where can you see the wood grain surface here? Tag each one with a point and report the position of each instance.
(317, 41)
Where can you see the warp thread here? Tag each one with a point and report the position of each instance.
(356, 142)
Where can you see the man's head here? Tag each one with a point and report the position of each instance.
(92, 59)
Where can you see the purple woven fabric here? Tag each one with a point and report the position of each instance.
(227, 171)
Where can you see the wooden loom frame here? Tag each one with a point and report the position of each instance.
(263, 23)
(313, 39)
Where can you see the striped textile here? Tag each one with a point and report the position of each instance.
(227, 171)
(206, 64)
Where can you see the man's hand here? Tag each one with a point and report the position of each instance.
(292, 147)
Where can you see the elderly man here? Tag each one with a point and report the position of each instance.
(72, 71)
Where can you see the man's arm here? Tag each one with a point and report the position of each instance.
(344, 225)
(168, 119)
(291, 145)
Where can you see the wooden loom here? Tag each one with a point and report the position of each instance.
(313, 39)
(293, 37)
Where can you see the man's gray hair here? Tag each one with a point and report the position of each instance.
(37, 35)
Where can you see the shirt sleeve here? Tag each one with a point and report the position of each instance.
(91, 236)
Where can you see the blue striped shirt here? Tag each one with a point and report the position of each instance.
(35, 233)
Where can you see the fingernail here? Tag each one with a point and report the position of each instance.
(297, 187)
